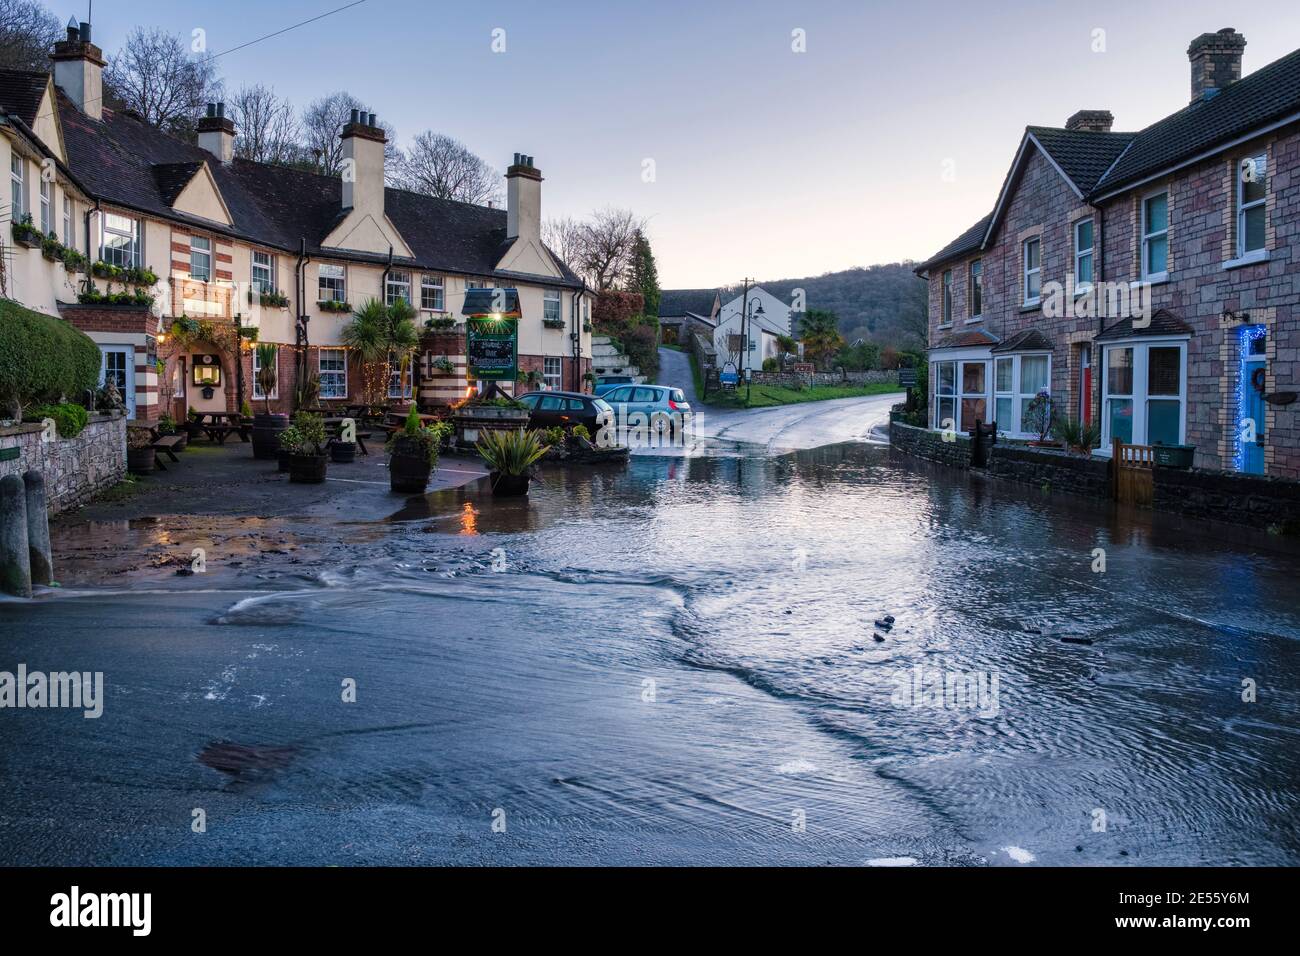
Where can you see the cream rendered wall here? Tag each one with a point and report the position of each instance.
(30, 278)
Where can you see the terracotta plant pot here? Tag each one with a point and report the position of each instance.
(266, 435)
(307, 469)
(508, 486)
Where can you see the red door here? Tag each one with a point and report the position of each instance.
(1085, 384)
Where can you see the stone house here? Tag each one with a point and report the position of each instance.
(237, 245)
(1149, 282)
(683, 312)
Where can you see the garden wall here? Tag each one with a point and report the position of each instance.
(75, 469)
(1248, 499)
(806, 379)
(1058, 470)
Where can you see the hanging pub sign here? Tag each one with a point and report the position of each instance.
(492, 334)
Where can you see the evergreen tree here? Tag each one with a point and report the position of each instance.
(644, 275)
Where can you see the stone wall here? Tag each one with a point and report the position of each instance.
(930, 445)
(1057, 470)
(75, 469)
(1255, 500)
(806, 379)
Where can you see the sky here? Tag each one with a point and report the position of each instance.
(883, 138)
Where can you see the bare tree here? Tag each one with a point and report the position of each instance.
(27, 34)
(155, 75)
(323, 121)
(608, 246)
(438, 165)
(567, 238)
(266, 129)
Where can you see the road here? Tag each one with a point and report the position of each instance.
(780, 428)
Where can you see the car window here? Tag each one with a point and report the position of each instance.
(529, 400)
(678, 395)
(645, 395)
(551, 403)
(575, 405)
(617, 394)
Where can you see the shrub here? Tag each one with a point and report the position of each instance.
(580, 431)
(43, 358)
(311, 434)
(69, 418)
(510, 453)
(553, 435)
(771, 365)
(428, 438)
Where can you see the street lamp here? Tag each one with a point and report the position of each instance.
(755, 312)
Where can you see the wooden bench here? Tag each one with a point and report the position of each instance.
(164, 445)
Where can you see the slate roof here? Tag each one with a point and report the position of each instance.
(1083, 155)
(968, 241)
(126, 162)
(1030, 340)
(675, 302)
(1163, 322)
(21, 92)
(1269, 94)
(966, 339)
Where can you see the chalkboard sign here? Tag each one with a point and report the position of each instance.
(907, 377)
(491, 346)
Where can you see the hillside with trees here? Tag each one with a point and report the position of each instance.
(885, 304)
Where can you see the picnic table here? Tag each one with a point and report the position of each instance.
(163, 445)
(335, 423)
(218, 425)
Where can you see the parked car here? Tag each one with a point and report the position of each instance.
(548, 409)
(649, 399)
(605, 382)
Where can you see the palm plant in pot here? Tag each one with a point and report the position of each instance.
(381, 335)
(307, 458)
(413, 453)
(267, 426)
(510, 456)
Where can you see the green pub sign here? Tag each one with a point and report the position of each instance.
(492, 346)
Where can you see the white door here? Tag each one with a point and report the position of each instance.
(119, 365)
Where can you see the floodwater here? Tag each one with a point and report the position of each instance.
(673, 662)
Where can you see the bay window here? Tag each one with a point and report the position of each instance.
(1004, 394)
(333, 373)
(1083, 243)
(945, 395)
(1155, 237)
(974, 394)
(1144, 393)
(1017, 381)
(1252, 193)
(1033, 266)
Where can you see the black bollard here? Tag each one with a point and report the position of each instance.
(15, 562)
(38, 530)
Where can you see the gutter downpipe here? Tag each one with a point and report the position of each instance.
(577, 336)
(300, 332)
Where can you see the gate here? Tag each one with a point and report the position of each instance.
(1131, 473)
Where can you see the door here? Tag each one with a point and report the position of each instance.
(118, 364)
(1085, 384)
(1251, 425)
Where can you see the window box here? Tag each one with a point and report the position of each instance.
(440, 323)
(106, 270)
(25, 234)
(140, 276)
(274, 299)
(95, 297)
(443, 365)
(74, 261)
(333, 305)
(553, 323)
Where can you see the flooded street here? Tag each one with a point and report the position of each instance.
(678, 662)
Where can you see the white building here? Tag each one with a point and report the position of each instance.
(768, 317)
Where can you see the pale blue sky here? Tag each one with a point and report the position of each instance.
(768, 162)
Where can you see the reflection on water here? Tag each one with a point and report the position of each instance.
(776, 604)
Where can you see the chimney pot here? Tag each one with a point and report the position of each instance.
(1216, 62)
(355, 115)
(221, 110)
(84, 31)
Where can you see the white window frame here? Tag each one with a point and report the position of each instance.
(436, 285)
(68, 238)
(945, 309)
(1148, 237)
(332, 373)
(1081, 254)
(257, 389)
(1139, 395)
(398, 279)
(1027, 272)
(17, 186)
(1009, 394)
(1243, 207)
(133, 248)
(47, 212)
(936, 372)
(334, 295)
(552, 379)
(552, 297)
(975, 290)
(404, 380)
(262, 286)
(200, 253)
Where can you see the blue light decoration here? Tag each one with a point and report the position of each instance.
(1245, 335)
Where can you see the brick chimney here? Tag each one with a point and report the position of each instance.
(524, 199)
(1216, 62)
(217, 133)
(1092, 121)
(79, 70)
(363, 163)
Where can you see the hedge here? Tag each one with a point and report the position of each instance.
(43, 358)
(70, 419)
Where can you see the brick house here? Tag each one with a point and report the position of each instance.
(1149, 281)
(234, 243)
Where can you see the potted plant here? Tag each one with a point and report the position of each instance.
(51, 248)
(192, 426)
(74, 261)
(413, 453)
(529, 379)
(589, 379)
(1078, 436)
(140, 455)
(25, 234)
(267, 426)
(307, 458)
(1040, 415)
(440, 323)
(290, 439)
(343, 452)
(444, 365)
(510, 455)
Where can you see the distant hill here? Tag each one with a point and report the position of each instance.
(884, 303)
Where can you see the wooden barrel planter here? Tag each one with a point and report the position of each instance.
(141, 461)
(508, 486)
(308, 469)
(284, 454)
(408, 467)
(266, 435)
(343, 452)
